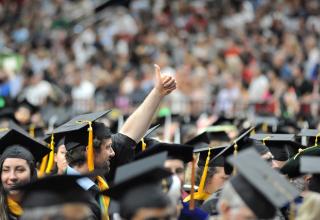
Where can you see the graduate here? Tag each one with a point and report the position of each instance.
(19, 156)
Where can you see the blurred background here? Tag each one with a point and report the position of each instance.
(231, 58)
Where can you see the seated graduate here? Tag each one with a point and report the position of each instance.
(58, 197)
(138, 190)
(256, 192)
(19, 156)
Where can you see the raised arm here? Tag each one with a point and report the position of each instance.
(139, 121)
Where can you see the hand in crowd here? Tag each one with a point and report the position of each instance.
(164, 84)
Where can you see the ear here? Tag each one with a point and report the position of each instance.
(55, 157)
(224, 207)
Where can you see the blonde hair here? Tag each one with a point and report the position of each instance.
(310, 207)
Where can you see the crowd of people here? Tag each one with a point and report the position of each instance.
(154, 109)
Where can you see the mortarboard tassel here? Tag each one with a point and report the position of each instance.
(143, 145)
(201, 194)
(316, 141)
(235, 153)
(31, 130)
(193, 171)
(51, 156)
(265, 127)
(265, 139)
(43, 165)
(90, 157)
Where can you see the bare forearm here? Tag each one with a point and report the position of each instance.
(139, 121)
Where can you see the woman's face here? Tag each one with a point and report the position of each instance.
(60, 159)
(15, 171)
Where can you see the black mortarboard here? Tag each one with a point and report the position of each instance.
(266, 123)
(208, 138)
(54, 190)
(57, 138)
(240, 143)
(310, 164)
(81, 130)
(175, 151)
(203, 154)
(261, 188)
(15, 138)
(312, 134)
(222, 120)
(147, 142)
(282, 146)
(80, 122)
(292, 166)
(147, 171)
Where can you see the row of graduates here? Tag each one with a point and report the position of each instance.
(245, 184)
(144, 188)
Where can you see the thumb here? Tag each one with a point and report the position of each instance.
(157, 70)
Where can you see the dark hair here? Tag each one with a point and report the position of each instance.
(210, 173)
(76, 156)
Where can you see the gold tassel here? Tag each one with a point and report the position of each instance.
(32, 130)
(265, 139)
(292, 211)
(143, 145)
(204, 174)
(193, 171)
(235, 153)
(43, 165)
(90, 156)
(264, 127)
(51, 156)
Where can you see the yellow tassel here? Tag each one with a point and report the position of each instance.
(31, 130)
(292, 211)
(90, 157)
(51, 155)
(143, 145)
(265, 139)
(264, 127)
(205, 172)
(43, 165)
(235, 153)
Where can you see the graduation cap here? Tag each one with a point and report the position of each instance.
(240, 143)
(138, 184)
(208, 138)
(260, 187)
(282, 146)
(310, 164)
(312, 134)
(266, 123)
(54, 190)
(206, 155)
(13, 139)
(292, 166)
(175, 151)
(75, 133)
(147, 141)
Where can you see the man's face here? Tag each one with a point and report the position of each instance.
(242, 213)
(176, 167)
(216, 181)
(154, 213)
(228, 212)
(102, 158)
